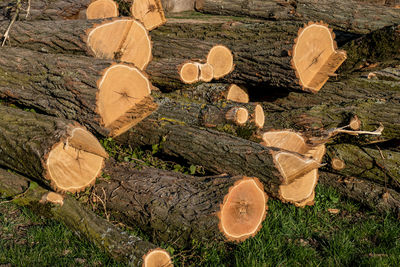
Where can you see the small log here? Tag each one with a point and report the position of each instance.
(122, 39)
(236, 94)
(101, 9)
(149, 12)
(352, 16)
(60, 153)
(65, 209)
(177, 208)
(107, 98)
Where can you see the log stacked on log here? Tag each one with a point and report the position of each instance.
(98, 73)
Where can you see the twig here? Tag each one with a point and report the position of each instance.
(14, 18)
(28, 10)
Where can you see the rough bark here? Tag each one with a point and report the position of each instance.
(119, 244)
(174, 208)
(370, 163)
(353, 16)
(57, 85)
(26, 139)
(62, 37)
(188, 112)
(373, 101)
(217, 152)
(364, 191)
(45, 9)
(260, 49)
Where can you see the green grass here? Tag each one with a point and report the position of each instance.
(290, 237)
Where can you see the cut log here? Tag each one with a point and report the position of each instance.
(267, 44)
(380, 166)
(337, 164)
(189, 72)
(206, 72)
(237, 94)
(45, 9)
(104, 97)
(100, 9)
(301, 191)
(221, 59)
(119, 244)
(177, 208)
(119, 39)
(373, 195)
(237, 115)
(57, 152)
(149, 12)
(353, 15)
(220, 152)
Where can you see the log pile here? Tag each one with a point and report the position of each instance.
(254, 99)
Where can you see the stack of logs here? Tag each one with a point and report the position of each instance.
(246, 97)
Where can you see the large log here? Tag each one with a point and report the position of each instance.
(57, 152)
(97, 93)
(177, 208)
(271, 65)
(65, 209)
(45, 9)
(219, 152)
(373, 195)
(353, 15)
(123, 39)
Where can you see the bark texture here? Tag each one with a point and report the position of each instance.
(260, 48)
(45, 9)
(57, 85)
(353, 16)
(172, 207)
(56, 37)
(217, 152)
(371, 194)
(26, 139)
(119, 244)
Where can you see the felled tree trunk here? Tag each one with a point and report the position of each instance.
(263, 52)
(94, 92)
(219, 152)
(374, 101)
(373, 195)
(57, 152)
(45, 9)
(177, 208)
(65, 209)
(353, 16)
(380, 166)
(123, 39)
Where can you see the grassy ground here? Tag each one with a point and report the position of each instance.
(334, 232)
(289, 237)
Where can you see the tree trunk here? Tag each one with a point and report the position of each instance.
(260, 49)
(219, 152)
(57, 152)
(380, 166)
(353, 16)
(122, 39)
(73, 88)
(45, 9)
(117, 243)
(364, 191)
(177, 208)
